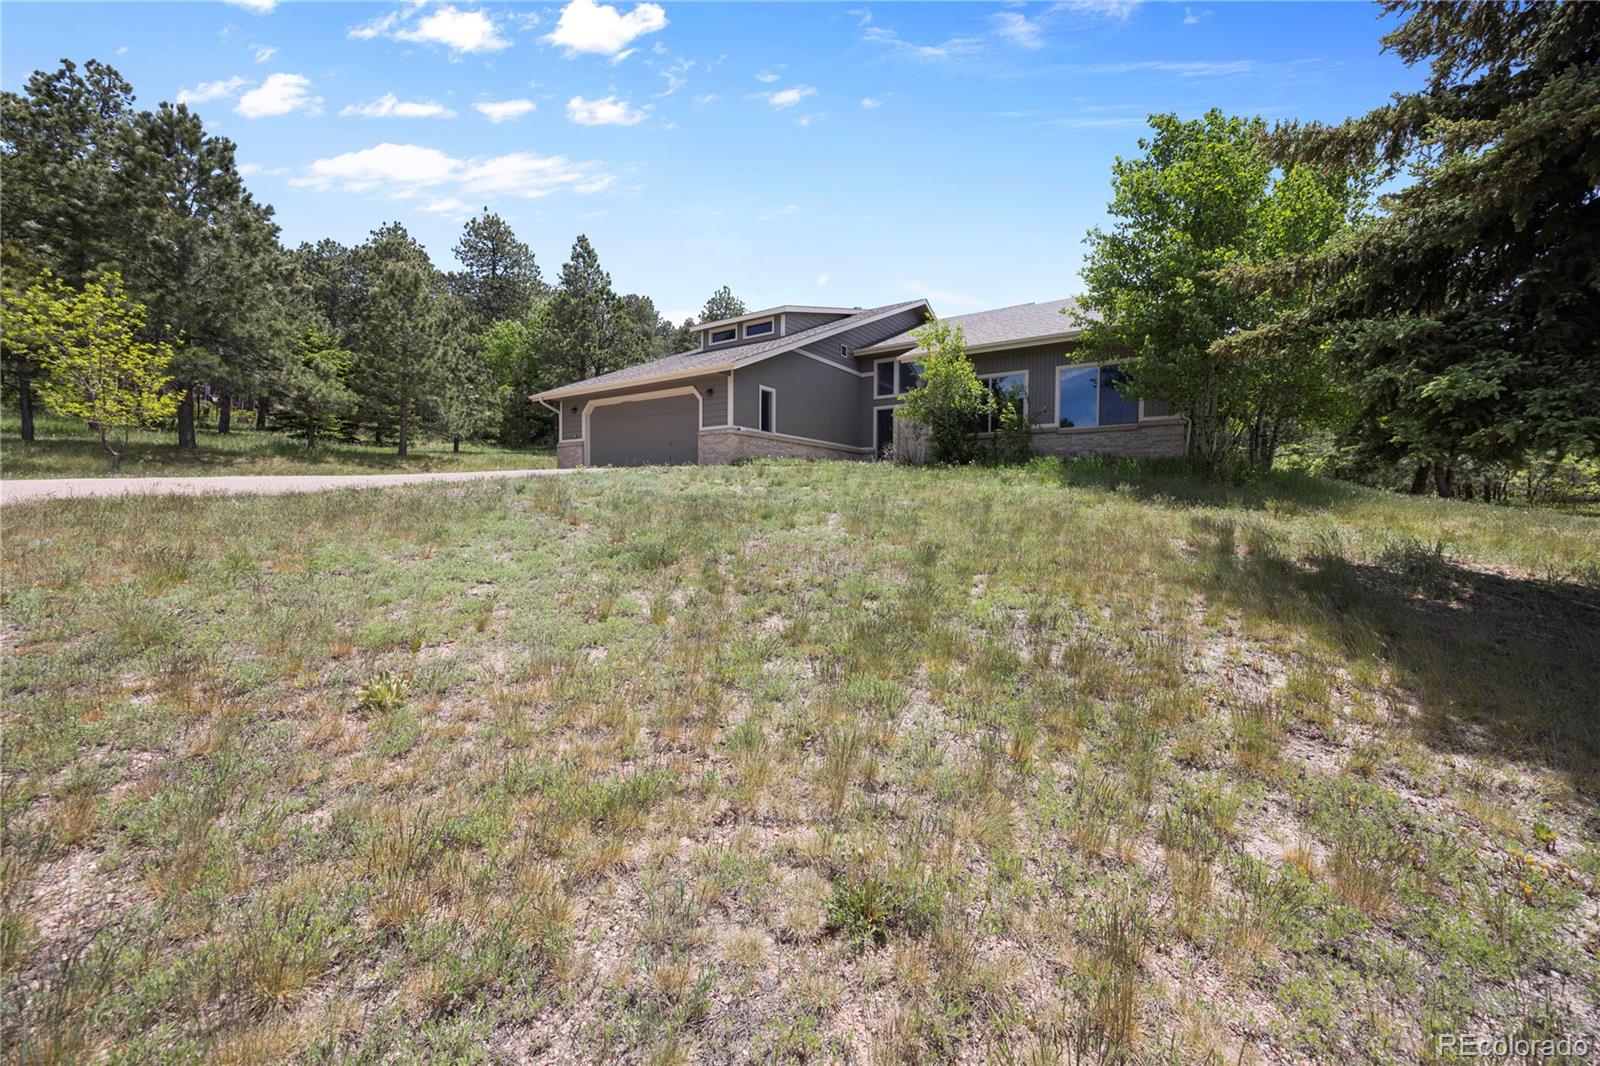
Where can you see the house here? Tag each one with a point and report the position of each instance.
(823, 383)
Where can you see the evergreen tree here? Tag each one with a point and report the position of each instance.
(196, 241)
(313, 396)
(402, 330)
(723, 304)
(582, 317)
(499, 277)
(1467, 315)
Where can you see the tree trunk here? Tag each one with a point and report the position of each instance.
(225, 414)
(1419, 480)
(405, 424)
(455, 444)
(261, 412)
(186, 419)
(25, 403)
(116, 456)
(1444, 480)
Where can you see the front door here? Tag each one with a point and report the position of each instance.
(883, 431)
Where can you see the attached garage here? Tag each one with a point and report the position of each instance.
(659, 430)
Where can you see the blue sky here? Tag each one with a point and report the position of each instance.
(799, 152)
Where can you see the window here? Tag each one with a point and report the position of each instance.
(1007, 388)
(910, 376)
(720, 335)
(884, 368)
(758, 329)
(1088, 396)
(768, 418)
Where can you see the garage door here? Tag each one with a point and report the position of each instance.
(645, 432)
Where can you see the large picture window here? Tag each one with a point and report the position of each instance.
(1088, 396)
(1009, 388)
(910, 376)
(883, 369)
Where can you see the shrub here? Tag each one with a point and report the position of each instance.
(950, 399)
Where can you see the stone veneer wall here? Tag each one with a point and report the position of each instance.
(569, 454)
(1146, 440)
(732, 444)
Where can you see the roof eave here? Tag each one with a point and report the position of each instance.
(998, 346)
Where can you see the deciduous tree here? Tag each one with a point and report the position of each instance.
(96, 365)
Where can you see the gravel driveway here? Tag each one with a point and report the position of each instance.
(26, 489)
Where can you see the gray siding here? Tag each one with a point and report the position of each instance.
(796, 322)
(815, 401)
(867, 335)
(1040, 363)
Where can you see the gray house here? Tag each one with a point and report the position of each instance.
(823, 383)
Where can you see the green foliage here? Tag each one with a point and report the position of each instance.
(1466, 315)
(1204, 196)
(499, 278)
(87, 344)
(949, 401)
(1013, 433)
(313, 395)
(722, 304)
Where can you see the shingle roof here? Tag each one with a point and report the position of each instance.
(690, 363)
(1003, 325)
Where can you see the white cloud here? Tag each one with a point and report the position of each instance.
(863, 15)
(606, 111)
(457, 30)
(1202, 68)
(600, 29)
(448, 205)
(808, 120)
(280, 94)
(789, 97)
(767, 77)
(869, 103)
(949, 49)
(677, 76)
(408, 170)
(260, 7)
(822, 279)
(248, 169)
(1118, 10)
(378, 27)
(786, 209)
(211, 90)
(940, 296)
(706, 98)
(1191, 17)
(391, 106)
(1019, 29)
(400, 168)
(264, 52)
(504, 110)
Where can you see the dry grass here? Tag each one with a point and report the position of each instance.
(1078, 763)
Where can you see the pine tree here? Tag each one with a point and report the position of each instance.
(1467, 315)
(723, 304)
(401, 333)
(581, 318)
(499, 277)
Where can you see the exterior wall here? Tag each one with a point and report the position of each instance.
(814, 399)
(1165, 439)
(719, 446)
(794, 323)
(863, 336)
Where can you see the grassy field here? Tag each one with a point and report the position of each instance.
(849, 762)
(66, 448)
